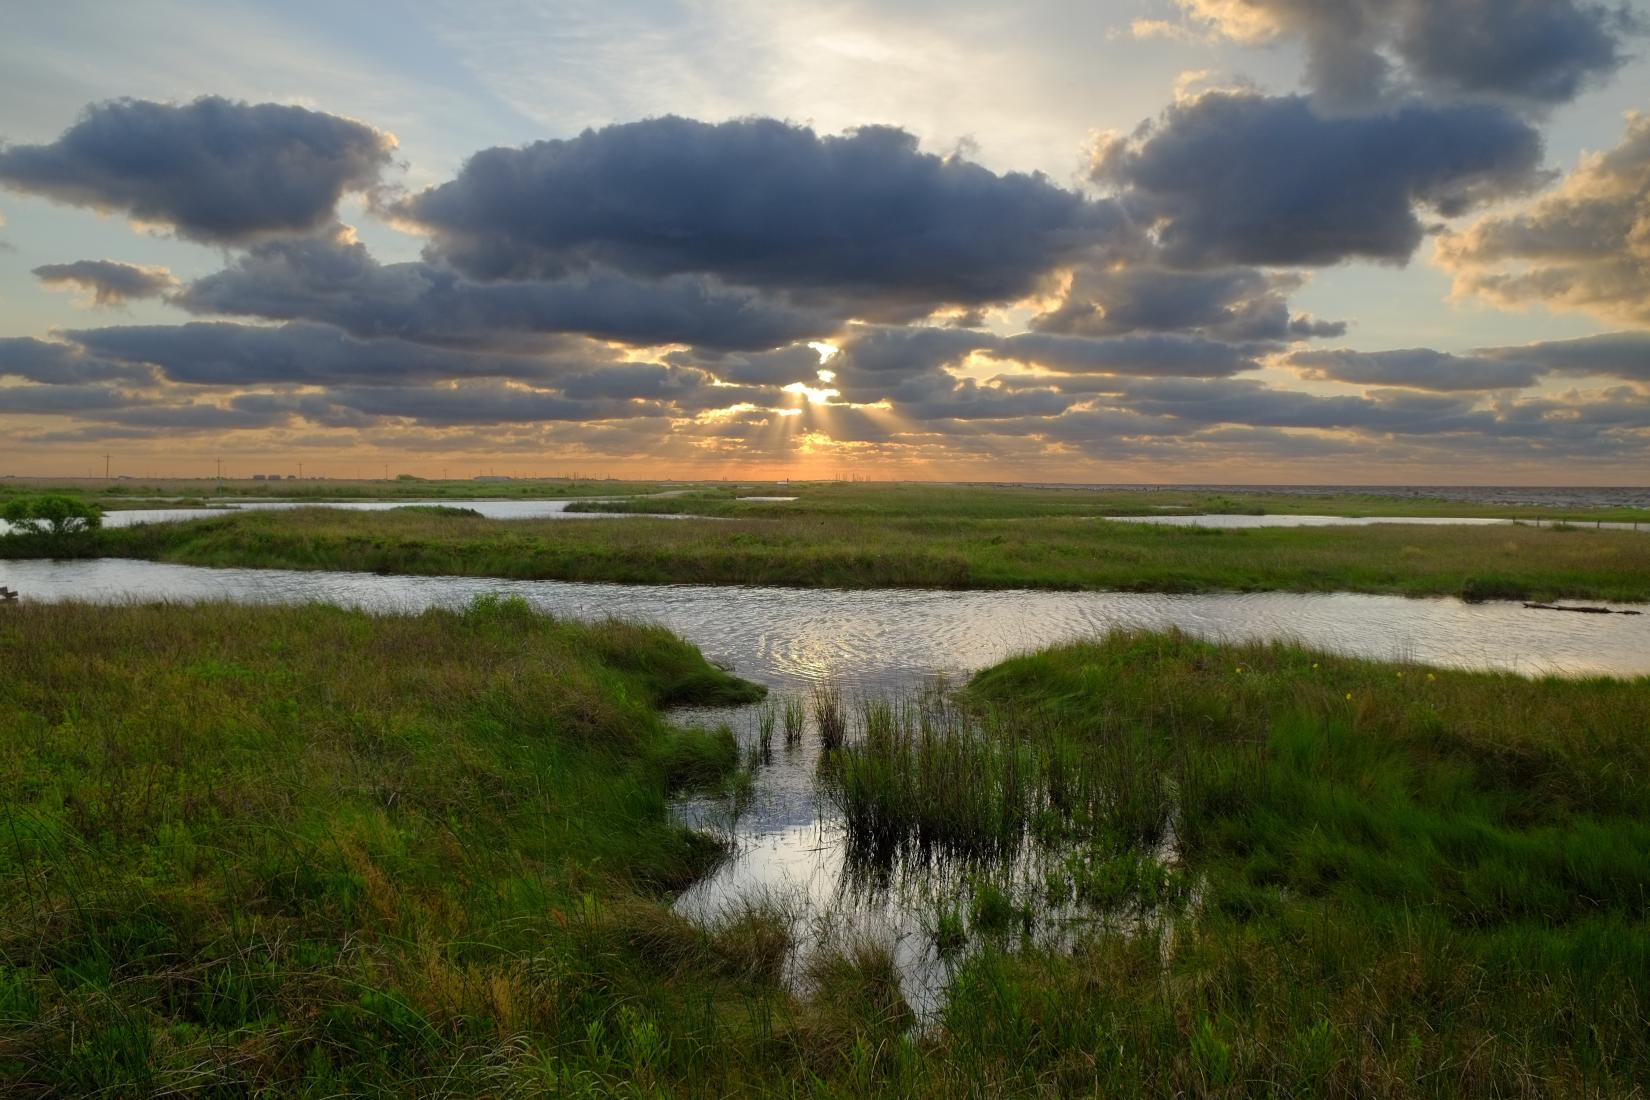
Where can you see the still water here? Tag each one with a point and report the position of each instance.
(491, 509)
(1234, 521)
(787, 841)
(796, 636)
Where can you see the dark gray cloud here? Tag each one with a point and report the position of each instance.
(861, 217)
(215, 169)
(1414, 368)
(1237, 303)
(779, 367)
(1538, 52)
(110, 281)
(1624, 355)
(60, 364)
(1238, 178)
(475, 402)
(1618, 354)
(1586, 245)
(332, 278)
(224, 354)
(73, 399)
(1149, 355)
(890, 350)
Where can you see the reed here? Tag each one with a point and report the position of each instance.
(796, 714)
(829, 716)
(927, 777)
(766, 719)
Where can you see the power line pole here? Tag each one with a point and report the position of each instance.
(105, 467)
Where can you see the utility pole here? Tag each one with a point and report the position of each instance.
(386, 471)
(105, 467)
(220, 469)
(300, 471)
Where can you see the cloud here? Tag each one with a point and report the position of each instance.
(1239, 178)
(330, 277)
(1148, 355)
(60, 364)
(1624, 355)
(111, 282)
(1584, 246)
(1238, 303)
(474, 402)
(1615, 354)
(778, 367)
(861, 218)
(214, 169)
(1536, 52)
(1414, 368)
(224, 354)
(65, 400)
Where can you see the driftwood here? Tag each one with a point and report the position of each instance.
(6, 594)
(1581, 610)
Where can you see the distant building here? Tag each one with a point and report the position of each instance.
(492, 477)
(257, 477)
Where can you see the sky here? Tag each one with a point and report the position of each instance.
(1158, 241)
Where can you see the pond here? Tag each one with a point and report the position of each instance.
(786, 837)
(491, 509)
(1239, 521)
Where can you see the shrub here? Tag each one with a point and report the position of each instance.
(51, 514)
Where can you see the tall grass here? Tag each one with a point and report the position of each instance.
(829, 716)
(795, 715)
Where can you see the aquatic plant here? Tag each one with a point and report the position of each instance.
(829, 717)
(795, 714)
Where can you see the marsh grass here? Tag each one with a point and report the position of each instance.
(766, 719)
(874, 550)
(829, 716)
(796, 714)
(929, 776)
(307, 851)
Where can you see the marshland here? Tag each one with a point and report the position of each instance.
(324, 802)
(886, 536)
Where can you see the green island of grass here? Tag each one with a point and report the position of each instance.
(982, 540)
(306, 851)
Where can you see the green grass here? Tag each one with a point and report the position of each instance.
(884, 500)
(936, 551)
(892, 500)
(310, 851)
(1400, 881)
(307, 851)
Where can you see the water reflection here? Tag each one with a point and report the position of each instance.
(1237, 522)
(490, 509)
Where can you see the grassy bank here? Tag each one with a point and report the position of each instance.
(304, 851)
(1408, 882)
(315, 851)
(1514, 562)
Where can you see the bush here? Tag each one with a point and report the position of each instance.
(51, 515)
